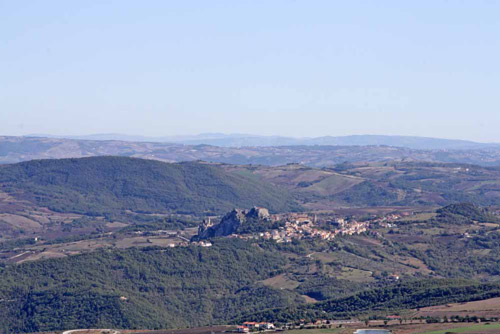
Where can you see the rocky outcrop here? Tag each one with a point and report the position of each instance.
(231, 222)
(259, 213)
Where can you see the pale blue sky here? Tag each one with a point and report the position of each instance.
(295, 68)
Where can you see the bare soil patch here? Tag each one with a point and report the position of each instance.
(198, 330)
(281, 282)
(20, 222)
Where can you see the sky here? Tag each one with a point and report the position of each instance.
(290, 68)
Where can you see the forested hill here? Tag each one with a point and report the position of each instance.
(195, 286)
(140, 288)
(405, 295)
(102, 185)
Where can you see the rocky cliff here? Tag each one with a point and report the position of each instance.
(232, 222)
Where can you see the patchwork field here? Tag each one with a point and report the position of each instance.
(48, 251)
(482, 308)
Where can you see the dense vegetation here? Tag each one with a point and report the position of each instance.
(408, 295)
(193, 286)
(255, 225)
(241, 280)
(140, 288)
(103, 185)
(237, 280)
(465, 213)
(323, 287)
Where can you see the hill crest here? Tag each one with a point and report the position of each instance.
(100, 185)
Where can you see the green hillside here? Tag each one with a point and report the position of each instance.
(101, 185)
(237, 280)
(402, 296)
(140, 288)
(193, 286)
(465, 212)
(395, 183)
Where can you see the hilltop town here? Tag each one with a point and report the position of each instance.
(288, 227)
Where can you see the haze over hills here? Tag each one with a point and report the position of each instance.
(243, 140)
(251, 167)
(16, 149)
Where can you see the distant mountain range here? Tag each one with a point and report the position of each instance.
(17, 149)
(247, 140)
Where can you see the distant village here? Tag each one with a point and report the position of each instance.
(296, 226)
(250, 326)
(303, 226)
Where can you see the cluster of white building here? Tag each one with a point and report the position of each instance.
(250, 326)
(305, 229)
(351, 227)
(202, 243)
(297, 230)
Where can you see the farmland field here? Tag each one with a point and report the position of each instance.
(475, 329)
(487, 308)
(320, 331)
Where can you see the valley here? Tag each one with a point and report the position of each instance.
(174, 245)
(249, 167)
(66, 197)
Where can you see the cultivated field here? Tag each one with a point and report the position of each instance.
(415, 328)
(482, 308)
(469, 329)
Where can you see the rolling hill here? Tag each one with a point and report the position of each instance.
(320, 154)
(55, 198)
(242, 280)
(242, 140)
(382, 184)
(104, 185)
(140, 288)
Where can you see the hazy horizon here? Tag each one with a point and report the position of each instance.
(284, 68)
(228, 135)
